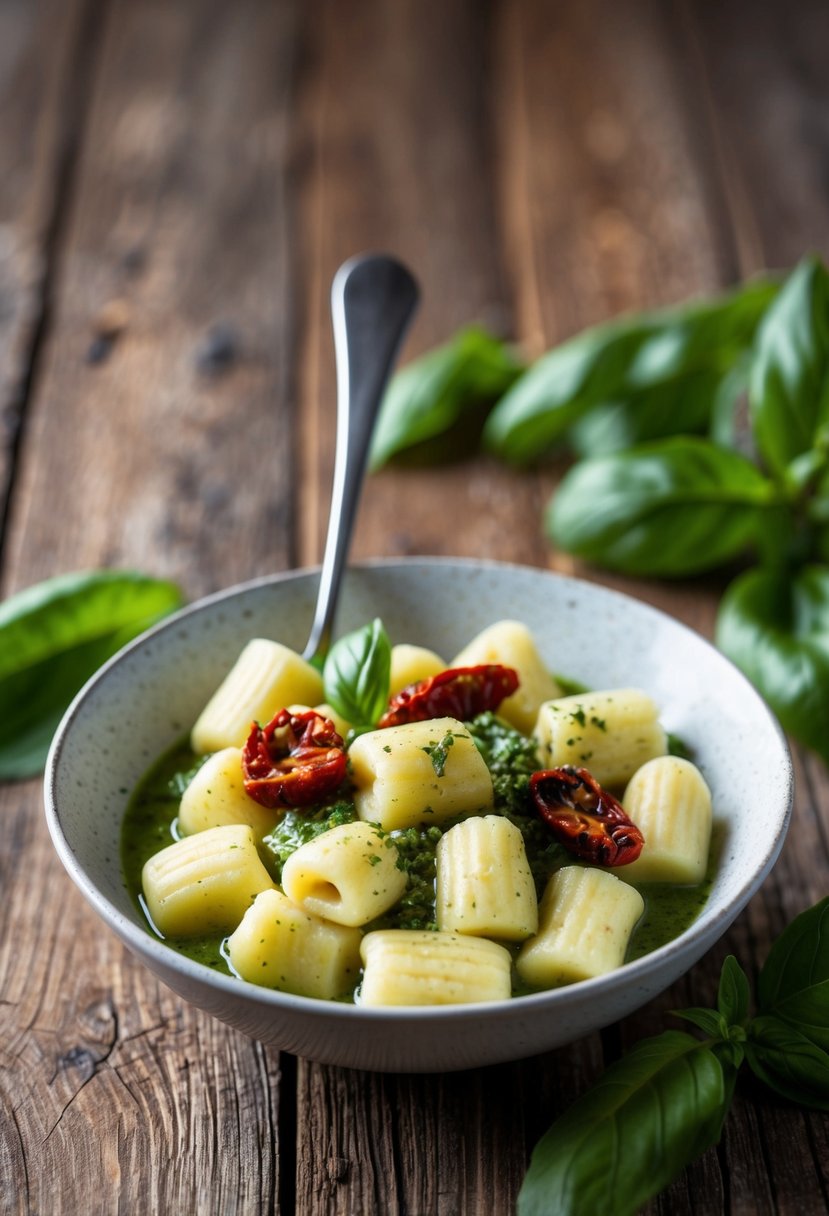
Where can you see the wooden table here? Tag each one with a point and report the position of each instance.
(207, 166)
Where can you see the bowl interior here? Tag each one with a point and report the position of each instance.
(149, 695)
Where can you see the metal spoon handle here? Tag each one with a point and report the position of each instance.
(373, 298)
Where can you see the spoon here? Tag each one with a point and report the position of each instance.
(373, 298)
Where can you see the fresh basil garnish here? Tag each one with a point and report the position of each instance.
(53, 637)
(788, 1062)
(774, 624)
(639, 378)
(661, 1105)
(673, 507)
(734, 993)
(650, 1115)
(440, 391)
(789, 390)
(356, 674)
(794, 982)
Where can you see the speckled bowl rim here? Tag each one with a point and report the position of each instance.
(705, 930)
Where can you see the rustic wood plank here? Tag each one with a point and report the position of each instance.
(47, 57)
(407, 168)
(761, 72)
(180, 222)
(146, 448)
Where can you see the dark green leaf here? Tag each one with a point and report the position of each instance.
(559, 389)
(794, 982)
(673, 507)
(789, 390)
(656, 374)
(433, 393)
(53, 637)
(356, 674)
(775, 627)
(650, 413)
(734, 992)
(788, 1062)
(709, 1021)
(678, 747)
(729, 423)
(654, 1111)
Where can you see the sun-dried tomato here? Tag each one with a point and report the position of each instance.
(589, 822)
(296, 760)
(458, 692)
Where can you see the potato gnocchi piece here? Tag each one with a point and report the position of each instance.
(511, 644)
(278, 945)
(670, 803)
(420, 772)
(420, 967)
(216, 797)
(266, 677)
(204, 883)
(586, 918)
(484, 883)
(348, 875)
(410, 664)
(611, 733)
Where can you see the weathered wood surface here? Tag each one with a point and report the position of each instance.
(206, 166)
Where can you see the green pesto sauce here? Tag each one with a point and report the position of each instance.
(150, 825)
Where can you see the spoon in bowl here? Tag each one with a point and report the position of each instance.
(373, 298)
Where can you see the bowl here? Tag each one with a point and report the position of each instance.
(150, 693)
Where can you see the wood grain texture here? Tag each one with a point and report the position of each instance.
(408, 166)
(48, 52)
(175, 438)
(541, 167)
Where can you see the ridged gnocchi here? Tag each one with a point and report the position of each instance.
(434, 867)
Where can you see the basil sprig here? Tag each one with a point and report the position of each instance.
(637, 379)
(703, 433)
(663, 1103)
(53, 637)
(356, 674)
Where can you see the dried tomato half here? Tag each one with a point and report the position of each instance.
(295, 760)
(588, 821)
(458, 692)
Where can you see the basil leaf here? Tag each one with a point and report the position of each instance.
(442, 388)
(651, 413)
(53, 637)
(775, 627)
(734, 992)
(559, 388)
(356, 674)
(709, 1021)
(650, 1114)
(794, 982)
(789, 389)
(788, 1062)
(672, 507)
(657, 371)
(729, 424)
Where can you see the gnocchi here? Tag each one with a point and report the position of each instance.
(427, 876)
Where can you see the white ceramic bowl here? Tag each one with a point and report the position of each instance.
(148, 696)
